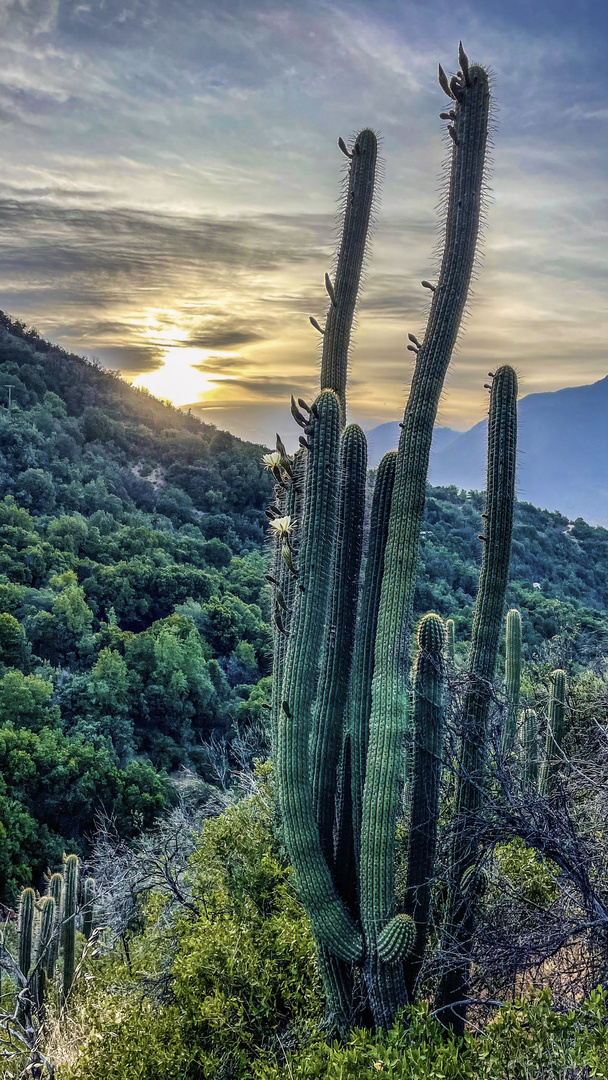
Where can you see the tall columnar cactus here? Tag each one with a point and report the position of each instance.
(487, 622)
(307, 767)
(555, 732)
(529, 741)
(69, 909)
(27, 905)
(360, 692)
(427, 726)
(328, 724)
(332, 925)
(512, 678)
(88, 903)
(450, 642)
(471, 101)
(349, 264)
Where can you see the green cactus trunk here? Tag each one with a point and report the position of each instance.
(386, 985)
(349, 265)
(55, 889)
(27, 904)
(428, 721)
(70, 904)
(555, 732)
(450, 644)
(289, 502)
(360, 691)
(530, 749)
(332, 925)
(88, 907)
(328, 725)
(48, 919)
(512, 678)
(487, 622)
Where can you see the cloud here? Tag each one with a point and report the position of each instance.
(173, 181)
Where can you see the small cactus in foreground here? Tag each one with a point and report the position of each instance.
(70, 903)
(512, 678)
(555, 732)
(26, 930)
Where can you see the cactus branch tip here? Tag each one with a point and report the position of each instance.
(344, 148)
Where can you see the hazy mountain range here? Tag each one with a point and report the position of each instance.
(563, 452)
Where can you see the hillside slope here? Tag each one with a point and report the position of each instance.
(134, 634)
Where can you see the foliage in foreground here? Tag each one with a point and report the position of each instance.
(228, 989)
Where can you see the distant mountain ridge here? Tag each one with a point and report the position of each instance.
(563, 452)
(385, 437)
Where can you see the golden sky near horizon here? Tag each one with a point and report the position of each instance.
(169, 201)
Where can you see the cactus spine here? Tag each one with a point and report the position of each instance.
(26, 930)
(70, 903)
(427, 724)
(450, 642)
(487, 621)
(349, 264)
(512, 678)
(386, 985)
(555, 732)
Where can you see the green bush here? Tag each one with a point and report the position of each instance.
(524, 1041)
(243, 974)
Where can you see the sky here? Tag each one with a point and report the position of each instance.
(170, 185)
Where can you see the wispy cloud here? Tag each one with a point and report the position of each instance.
(173, 179)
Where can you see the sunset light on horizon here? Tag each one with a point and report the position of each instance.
(173, 214)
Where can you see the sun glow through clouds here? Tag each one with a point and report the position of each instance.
(180, 380)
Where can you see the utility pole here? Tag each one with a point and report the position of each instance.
(10, 387)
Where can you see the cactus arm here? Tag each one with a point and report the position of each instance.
(512, 678)
(26, 930)
(343, 295)
(328, 725)
(428, 721)
(70, 903)
(487, 621)
(331, 924)
(360, 690)
(389, 691)
(555, 732)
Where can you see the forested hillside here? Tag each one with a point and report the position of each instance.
(134, 610)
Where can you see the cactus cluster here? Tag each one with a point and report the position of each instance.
(47, 926)
(343, 696)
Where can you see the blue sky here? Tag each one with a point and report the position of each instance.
(170, 184)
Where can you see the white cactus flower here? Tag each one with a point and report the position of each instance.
(282, 525)
(273, 460)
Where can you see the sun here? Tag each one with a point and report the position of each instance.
(180, 380)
